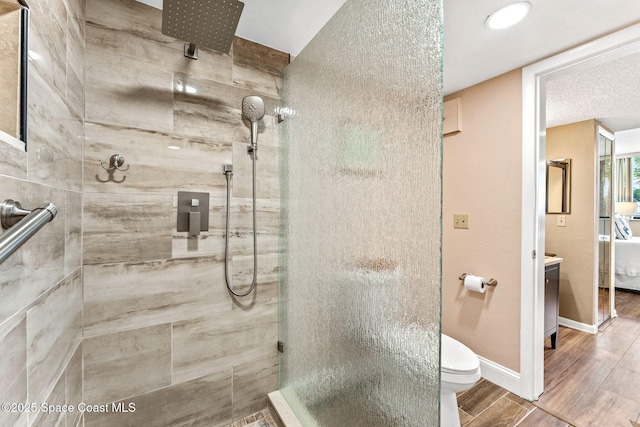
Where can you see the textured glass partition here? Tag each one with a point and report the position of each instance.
(361, 226)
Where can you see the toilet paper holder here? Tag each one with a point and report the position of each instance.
(490, 282)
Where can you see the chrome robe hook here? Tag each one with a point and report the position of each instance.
(115, 162)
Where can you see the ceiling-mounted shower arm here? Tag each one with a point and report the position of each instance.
(210, 24)
(191, 51)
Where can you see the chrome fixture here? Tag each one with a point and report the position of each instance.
(193, 212)
(21, 224)
(490, 282)
(209, 23)
(252, 110)
(115, 163)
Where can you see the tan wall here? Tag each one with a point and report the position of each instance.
(161, 329)
(575, 242)
(41, 284)
(482, 176)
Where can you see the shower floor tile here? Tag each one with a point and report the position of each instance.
(259, 419)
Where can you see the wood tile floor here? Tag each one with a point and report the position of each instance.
(590, 380)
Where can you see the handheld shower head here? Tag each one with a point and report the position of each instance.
(253, 110)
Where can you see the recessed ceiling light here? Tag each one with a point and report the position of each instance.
(508, 15)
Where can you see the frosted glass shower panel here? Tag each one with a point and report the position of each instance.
(361, 202)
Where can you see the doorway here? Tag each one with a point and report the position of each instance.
(535, 79)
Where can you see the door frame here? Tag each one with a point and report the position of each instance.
(534, 79)
(603, 131)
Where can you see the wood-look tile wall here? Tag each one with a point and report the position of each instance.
(161, 330)
(41, 284)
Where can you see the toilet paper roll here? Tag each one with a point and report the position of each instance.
(474, 283)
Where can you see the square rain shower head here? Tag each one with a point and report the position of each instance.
(208, 23)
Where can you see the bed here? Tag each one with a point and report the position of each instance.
(628, 263)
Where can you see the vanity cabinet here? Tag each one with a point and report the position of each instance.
(551, 302)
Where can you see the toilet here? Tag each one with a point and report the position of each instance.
(459, 371)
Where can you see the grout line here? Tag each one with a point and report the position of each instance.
(506, 392)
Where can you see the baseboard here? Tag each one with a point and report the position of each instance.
(592, 329)
(498, 374)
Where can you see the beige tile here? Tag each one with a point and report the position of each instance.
(267, 177)
(55, 137)
(39, 263)
(75, 57)
(223, 340)
(208, 109)
(54, 330)
(13, 160)
(75, 93)
(10, 82)
(124, 364)
(266, 289)
(211, 243)
(74, 385)
(263, 58)
(255, 80)
(120, 297)
(251, 383)
(13, 371)
(73, 232)
(126, 15)
(166, 53)
(195, 164)
(76, 11)
(48, 40)
(126, 227)
(52, 418)
(75, 42)
(122, 91)
(204, 401)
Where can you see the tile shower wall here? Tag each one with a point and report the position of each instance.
(41, 284)
(160, 328)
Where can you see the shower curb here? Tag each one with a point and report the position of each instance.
(280, 410)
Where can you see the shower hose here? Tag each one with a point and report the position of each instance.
(229, 177)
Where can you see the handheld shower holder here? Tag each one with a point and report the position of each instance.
(252, 150)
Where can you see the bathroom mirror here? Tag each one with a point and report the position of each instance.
(559, 186)
(13, 62)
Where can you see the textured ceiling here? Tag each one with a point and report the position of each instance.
(608, 92)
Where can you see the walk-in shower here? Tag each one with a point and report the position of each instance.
(253, 111)
(360, 179)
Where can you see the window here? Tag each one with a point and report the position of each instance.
(629, 180)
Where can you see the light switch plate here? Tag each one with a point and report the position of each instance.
(461, 221)
(561, 221)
